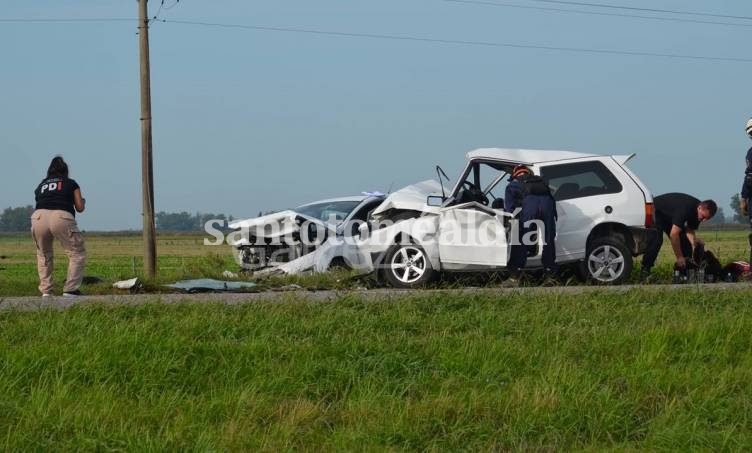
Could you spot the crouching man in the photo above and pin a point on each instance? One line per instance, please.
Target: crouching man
(678, 215)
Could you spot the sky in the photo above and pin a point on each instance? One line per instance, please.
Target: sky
(279, 103)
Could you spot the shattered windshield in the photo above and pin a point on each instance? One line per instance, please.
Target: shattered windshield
(336, 211)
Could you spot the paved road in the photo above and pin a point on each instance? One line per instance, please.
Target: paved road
(38, 303)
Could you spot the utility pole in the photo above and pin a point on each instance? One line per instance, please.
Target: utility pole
(147, 174)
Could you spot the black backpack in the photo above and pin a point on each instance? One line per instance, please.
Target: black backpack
(534, 185)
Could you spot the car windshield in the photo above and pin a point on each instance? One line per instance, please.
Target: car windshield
(333, 211)
(481, 178)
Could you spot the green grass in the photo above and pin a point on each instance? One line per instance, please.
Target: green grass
(112, 258)
(649, 369)
(652, 368)
(115, 257)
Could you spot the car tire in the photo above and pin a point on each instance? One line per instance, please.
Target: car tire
(407, 266)
(608, 261)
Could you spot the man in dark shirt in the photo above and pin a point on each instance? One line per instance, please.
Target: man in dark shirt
(678, 215)
(532, 196)
(746, 194)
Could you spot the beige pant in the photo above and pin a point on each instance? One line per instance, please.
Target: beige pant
(47, 225)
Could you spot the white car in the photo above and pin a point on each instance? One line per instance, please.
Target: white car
(604, 217)
(310, 238)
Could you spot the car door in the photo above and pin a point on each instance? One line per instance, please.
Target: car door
(583, 191)
(472, 234)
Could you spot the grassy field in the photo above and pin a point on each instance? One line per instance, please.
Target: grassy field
(111, 257)
(654, 368)
(114, 257)
(650, 369)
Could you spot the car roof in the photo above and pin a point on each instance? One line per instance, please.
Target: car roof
(358, 198)
(526, 156)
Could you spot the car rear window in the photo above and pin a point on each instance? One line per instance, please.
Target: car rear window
(581, 179)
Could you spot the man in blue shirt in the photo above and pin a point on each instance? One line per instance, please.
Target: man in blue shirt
(747, 184)
(532, 195)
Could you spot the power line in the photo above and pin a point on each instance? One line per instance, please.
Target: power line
(403, 38)
(159, 10)
(651, 10)
(595, 13)
(99, 19)
(161, 7)
(173, 5)
(459, 42)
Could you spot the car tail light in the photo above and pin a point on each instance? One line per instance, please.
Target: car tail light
(648, 215)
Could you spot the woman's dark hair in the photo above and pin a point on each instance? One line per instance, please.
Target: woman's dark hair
(58, 167)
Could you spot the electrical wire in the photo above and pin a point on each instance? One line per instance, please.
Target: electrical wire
(459, 42)
(100, 19)
(651, 10)
(173, 5)
(401, 38)
(159, 10)
(595, 13)
(162, 6)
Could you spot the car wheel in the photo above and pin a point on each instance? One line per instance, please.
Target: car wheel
(608, 261)
(407, 266)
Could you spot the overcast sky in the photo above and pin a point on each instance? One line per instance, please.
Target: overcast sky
(255, 119)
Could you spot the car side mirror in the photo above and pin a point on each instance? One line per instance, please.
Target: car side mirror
(435, 200)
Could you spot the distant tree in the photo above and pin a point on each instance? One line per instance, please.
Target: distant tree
(738, 216)
(182, 221)
(203, 218)
(16, 219)
(719, 217)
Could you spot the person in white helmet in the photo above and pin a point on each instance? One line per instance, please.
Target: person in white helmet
(746, 194)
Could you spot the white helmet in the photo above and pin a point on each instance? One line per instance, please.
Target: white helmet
(749, 128)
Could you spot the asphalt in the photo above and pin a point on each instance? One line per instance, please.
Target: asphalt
(381, 295)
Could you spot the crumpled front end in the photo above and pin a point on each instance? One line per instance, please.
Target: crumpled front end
(332, 252)
(259, 255)
(274, 240)
(411, 198)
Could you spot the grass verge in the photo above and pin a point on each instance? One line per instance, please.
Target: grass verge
(649, 368)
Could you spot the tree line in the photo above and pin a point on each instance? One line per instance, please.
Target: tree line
(19, 219)
(184, 221)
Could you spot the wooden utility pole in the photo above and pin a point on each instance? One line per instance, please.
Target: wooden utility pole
(147, 174)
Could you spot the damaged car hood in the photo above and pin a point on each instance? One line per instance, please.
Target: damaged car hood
(270, 225)
(412, 197)
(276, 225)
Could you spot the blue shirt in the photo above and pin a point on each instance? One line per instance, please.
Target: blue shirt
(513, 196)
(747, 172)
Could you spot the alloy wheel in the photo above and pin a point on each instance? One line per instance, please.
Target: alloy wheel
(408, 264)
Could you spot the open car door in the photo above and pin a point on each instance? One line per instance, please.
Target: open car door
(472, 234)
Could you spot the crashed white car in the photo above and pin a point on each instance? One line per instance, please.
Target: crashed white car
(604, 218)
(310, 238)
